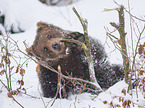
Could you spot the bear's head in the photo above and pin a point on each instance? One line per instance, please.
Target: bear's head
(47, 45)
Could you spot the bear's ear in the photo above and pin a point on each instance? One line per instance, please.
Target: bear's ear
(76, 36)
(41, 25)
(30, 51)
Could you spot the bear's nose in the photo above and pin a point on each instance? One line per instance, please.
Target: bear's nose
(55, 46)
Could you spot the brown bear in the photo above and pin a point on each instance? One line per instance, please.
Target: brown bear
(72, 60)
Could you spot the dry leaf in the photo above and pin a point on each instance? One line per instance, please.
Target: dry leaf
(120, 99)
(111, 104)
(84, 87)
(16, 92)
(137, 83)
(123, 91)
(129, 102)
(4, 58)
(140, 49)
(118, 105)
(120, 41)
(143, 80)
(10, 95)
(22, 71)
(8, 61)
(143, 88)
(11, 68)
(105, 102)
(144, 44)
(141, 72)
(129, 70)
(21, 82)
(17, 70)
(8, 54)
(123, 48)
(80, 91)
(37, 69)
(1, 65)
(126, 60)
(2, 72)
(140, 85)
(124, 104)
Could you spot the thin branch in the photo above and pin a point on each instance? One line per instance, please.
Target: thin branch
(11, 96)
(30, 95)
(131, 28)
(75, 41)
(59, 85)
(88, 51)
(41, 96)
(121, 30)
(129, 12)
(136, 53)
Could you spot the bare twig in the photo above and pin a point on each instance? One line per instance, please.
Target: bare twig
(11, 96)
(129, 12)
(121, 30)
(134, 57)
(30, 95)
(75, 41)
(41, 97)
(59, 86)
(88, 51)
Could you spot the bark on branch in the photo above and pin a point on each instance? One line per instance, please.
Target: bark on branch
(121, 29)
(87, 51)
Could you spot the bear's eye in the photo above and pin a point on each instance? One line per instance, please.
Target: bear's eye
(45, 49)
(49, 36)
(55, 45)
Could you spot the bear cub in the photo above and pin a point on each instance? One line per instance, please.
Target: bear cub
(72, 60)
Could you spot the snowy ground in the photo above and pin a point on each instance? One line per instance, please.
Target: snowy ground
(26, 13)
